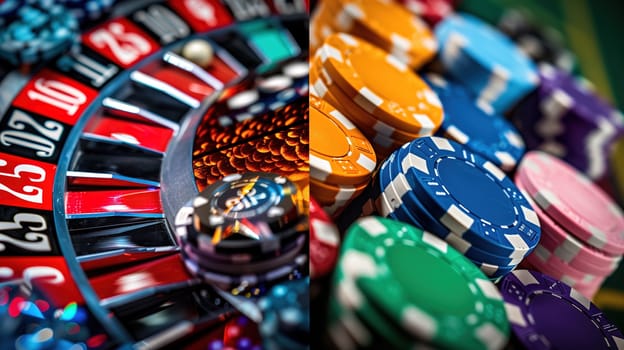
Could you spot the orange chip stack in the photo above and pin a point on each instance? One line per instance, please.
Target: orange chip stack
(341, 158)
(385, 24)
(378, 93)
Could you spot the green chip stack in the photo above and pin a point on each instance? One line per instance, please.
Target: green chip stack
(396, 286)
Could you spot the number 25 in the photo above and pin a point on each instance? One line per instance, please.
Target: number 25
(29, 193)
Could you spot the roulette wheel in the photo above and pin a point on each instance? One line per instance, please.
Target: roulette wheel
(153, 161)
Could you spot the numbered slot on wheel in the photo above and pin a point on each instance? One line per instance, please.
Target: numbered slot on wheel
(88, 67)
(121, 41)
(26, 182)
(31, 135)
(162, 23)
(27, 232)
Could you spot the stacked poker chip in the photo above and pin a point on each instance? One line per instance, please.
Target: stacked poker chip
(245, 233)
(439, 185)
(341, 158)
(564, 117)
(386, 100)
(582, 228)
(392, 289)
(286, 316)
(36, 32)
(324, 241)
(485, 61)
(545, 313)
(455, 184)
(384, 24)
(483, 132)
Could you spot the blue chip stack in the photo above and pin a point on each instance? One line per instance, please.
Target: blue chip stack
(488, 63)
(37, 32)
(424, 183)
(486, 134)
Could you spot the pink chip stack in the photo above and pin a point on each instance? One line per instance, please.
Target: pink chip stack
(582, 238)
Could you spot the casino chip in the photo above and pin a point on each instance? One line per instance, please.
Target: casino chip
(489, 135)
(286, 316)
(242, 210)
(251, 283)
(378, 298)
(395, 197)
(341, 158)
(545, 313)
(562, 255)
(399, 201)
(339, 153)
(324, 241)
(384, 24)
(582, 229)
(237, 265)
(335, 199)
(358, 68)
(245, 230)
(573, 201)
(383, 137)
(352, 75)
(37, 32)
(437, 170)
(496, 72)
(564, 117)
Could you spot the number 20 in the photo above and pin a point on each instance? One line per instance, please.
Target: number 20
(43, 145)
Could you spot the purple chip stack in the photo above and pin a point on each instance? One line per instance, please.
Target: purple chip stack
(545, 313)
(564, 117)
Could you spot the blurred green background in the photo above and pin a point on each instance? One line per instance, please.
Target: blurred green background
(594, 31)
